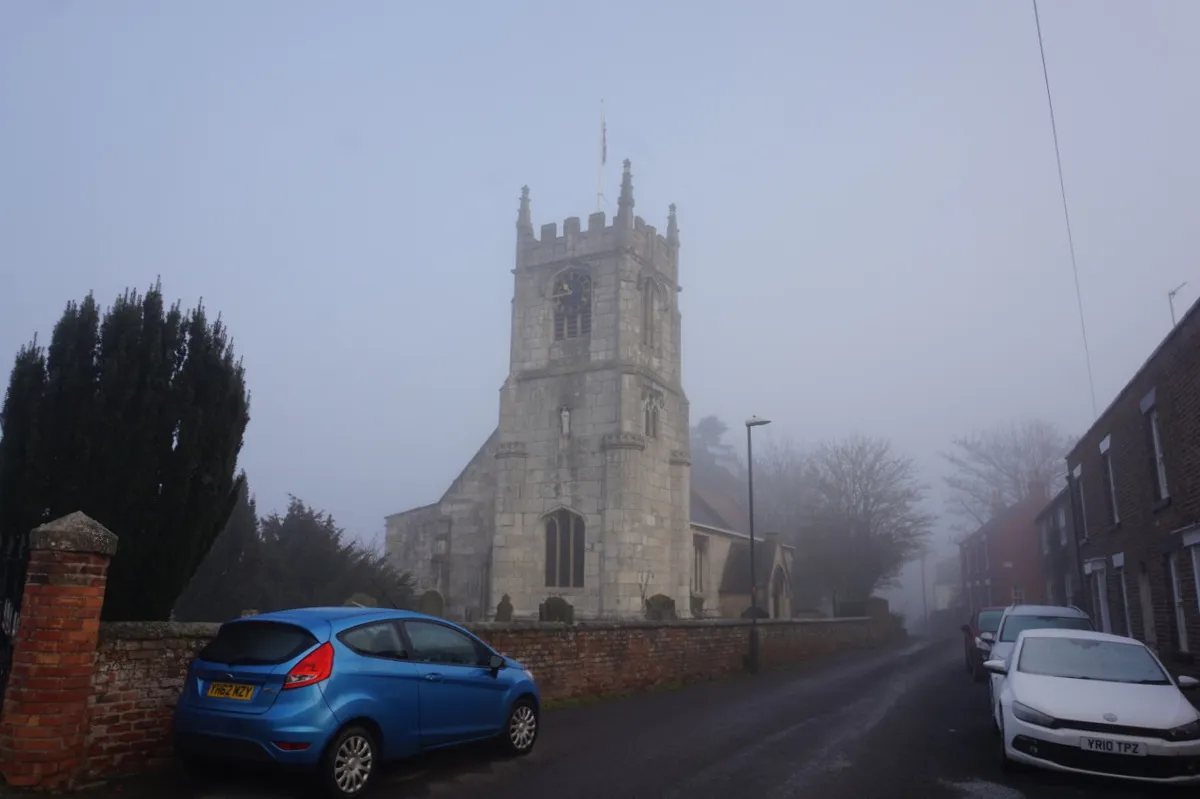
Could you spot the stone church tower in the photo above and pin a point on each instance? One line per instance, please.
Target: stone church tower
(592, 467)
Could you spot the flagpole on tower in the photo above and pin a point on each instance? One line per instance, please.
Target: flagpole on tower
(603, 159)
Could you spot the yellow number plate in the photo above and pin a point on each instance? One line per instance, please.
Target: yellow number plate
(228, 690)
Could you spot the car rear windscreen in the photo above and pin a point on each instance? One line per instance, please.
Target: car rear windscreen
(989, 620)
(257, 643)
(1015, 625)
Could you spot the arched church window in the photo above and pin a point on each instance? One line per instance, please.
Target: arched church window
(572, 305)
(652, 404)
(565, 542)
(650, 294)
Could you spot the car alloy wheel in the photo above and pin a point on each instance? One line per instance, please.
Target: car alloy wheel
(350, 763)
(520, 734)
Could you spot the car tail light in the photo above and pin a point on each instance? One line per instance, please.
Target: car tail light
(316, 666)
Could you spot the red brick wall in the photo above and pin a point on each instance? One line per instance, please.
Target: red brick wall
(45, 705)
(139, 672)
(141, 666)
(1148, 530)
(1012, 539)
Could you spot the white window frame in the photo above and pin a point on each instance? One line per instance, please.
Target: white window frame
(1195, 550)
(1159, 461)
(1082, 502)
(1149, 407)
(1106, 454)
(1061, 518)
(1118, 562)
(1098, 586)
(1177, 601)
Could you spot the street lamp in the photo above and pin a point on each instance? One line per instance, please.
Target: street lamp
(752, 658)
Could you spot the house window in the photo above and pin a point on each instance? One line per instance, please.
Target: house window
(572, 305)
(650, 293)
(1062, 525)
(699, 563)
(564, 550)
(1110, 486)
(1194, 549)
(1100, 594)
(1154, 444)
(652, 403)
(1018, 595)
(986, 565)
(1077, 497)
(1128, 631)
(1177, 599)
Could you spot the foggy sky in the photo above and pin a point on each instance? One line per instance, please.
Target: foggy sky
(872, 235)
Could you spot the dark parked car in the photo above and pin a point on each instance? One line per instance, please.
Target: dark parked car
(978, 635)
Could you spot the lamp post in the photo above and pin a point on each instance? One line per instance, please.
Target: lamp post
(752, 657)
(925, 589)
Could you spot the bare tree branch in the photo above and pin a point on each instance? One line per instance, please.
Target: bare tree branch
(997, 466)
(851, 508)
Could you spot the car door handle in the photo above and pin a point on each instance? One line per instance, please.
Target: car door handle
(433, 677)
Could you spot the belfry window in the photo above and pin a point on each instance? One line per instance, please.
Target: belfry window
(652, 404)
(572, 305)
(649, 313)
(565, 544)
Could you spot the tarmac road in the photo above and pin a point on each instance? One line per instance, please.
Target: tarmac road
(905, 723)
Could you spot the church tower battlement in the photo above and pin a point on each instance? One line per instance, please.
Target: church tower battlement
(593, 472)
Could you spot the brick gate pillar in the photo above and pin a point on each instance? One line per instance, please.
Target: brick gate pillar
(43, 726)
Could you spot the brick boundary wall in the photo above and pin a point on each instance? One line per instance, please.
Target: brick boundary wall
(45, 717)
(87, 700)
(141, 666)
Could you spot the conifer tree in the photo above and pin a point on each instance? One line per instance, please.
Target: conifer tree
(136, 417)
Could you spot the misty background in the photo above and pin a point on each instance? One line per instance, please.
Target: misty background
(872, 232)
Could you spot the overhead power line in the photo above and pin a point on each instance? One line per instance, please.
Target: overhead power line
(1062, 187)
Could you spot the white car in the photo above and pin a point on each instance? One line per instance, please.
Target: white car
(1094, 703)
(1018, 618)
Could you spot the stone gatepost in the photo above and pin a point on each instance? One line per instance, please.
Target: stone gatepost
(43, 727)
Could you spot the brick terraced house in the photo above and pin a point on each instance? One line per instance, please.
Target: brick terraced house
(1001, 562)
(1060, 553)
(1135, 495)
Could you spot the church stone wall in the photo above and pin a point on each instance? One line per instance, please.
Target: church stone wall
(544, 470)
(410, 542)
(630, 488)
(447, 545)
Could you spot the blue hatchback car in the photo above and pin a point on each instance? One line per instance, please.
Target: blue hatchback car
(340, 690)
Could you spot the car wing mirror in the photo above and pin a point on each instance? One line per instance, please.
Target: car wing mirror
(495, 663)
(996, 667)
(987, 638)
(1185, 683)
